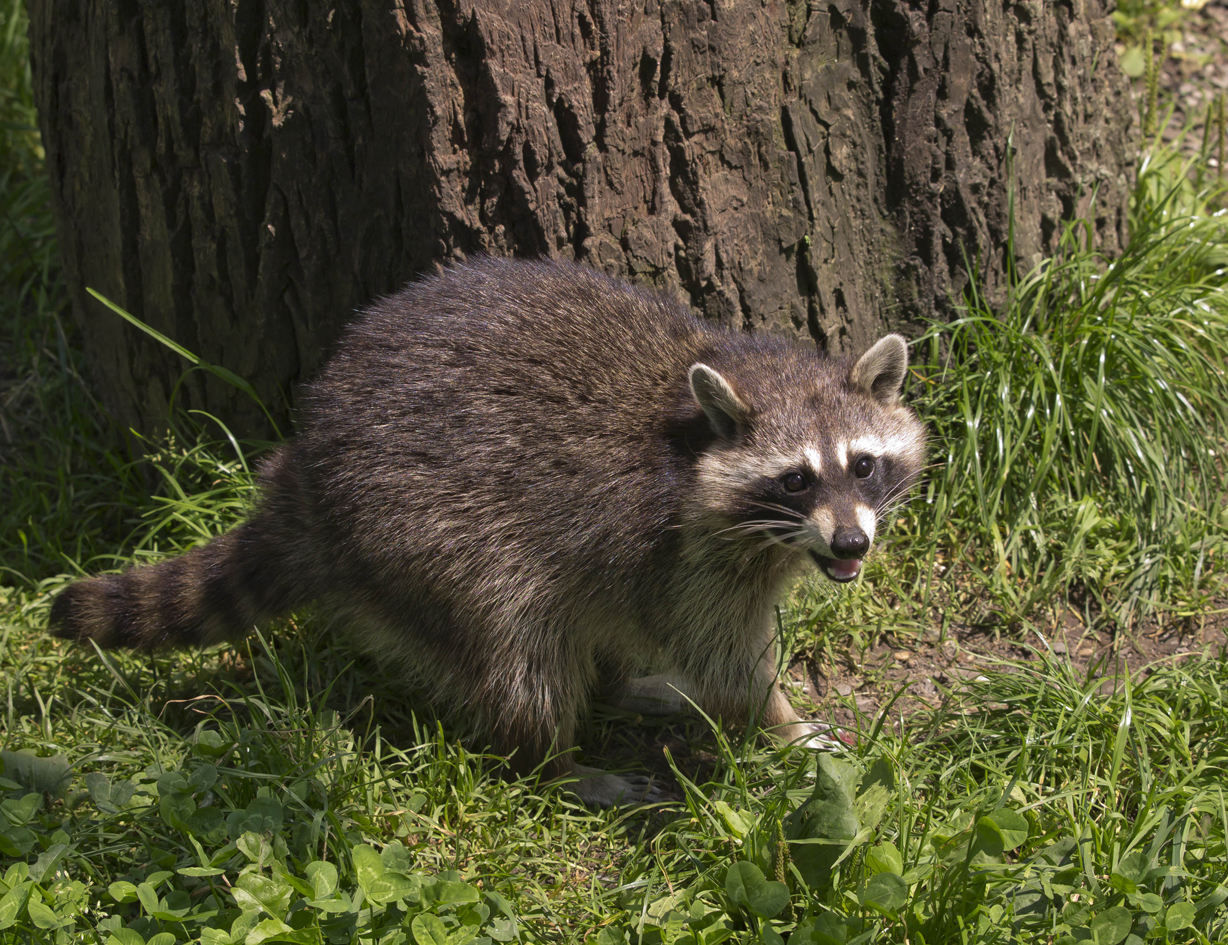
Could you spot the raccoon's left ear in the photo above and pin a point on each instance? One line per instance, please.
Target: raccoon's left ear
(725, 410)
(880, 372)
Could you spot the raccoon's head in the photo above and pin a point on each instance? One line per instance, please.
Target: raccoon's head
(808, 454)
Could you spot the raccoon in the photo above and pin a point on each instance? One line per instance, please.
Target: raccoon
(522, 483)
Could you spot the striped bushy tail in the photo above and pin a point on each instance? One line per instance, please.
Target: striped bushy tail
(216, 592)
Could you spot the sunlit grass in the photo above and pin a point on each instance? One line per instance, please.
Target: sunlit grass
(1081, 430)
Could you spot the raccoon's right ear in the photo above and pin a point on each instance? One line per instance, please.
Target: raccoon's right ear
(725, 410)
(879, 373)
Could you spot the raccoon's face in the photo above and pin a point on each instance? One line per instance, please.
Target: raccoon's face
(813, 469)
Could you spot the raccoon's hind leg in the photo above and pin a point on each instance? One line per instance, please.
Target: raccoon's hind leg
(532, 696)
(665, 694)
(215, 592)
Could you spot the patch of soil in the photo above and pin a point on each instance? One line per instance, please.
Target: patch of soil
(852, 693)
(1193, 71)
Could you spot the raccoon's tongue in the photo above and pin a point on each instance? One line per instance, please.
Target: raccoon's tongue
(836, 569)
(843, 570)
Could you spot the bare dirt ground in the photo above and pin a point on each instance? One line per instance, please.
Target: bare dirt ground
(1194, 72)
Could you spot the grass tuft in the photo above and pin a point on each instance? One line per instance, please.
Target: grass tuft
(1082, 428)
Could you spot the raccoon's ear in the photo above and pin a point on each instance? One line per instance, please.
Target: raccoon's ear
(880, 371)
(724, 408)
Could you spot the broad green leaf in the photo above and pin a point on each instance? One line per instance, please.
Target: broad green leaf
(323, 878)
(125, 937)
(875, 793)
(1148, 902)
(47, 863)
(201, 871)
(268, 929)
(1180, 916)
(473, 914)
(202, 779)
(109, 798)
(502, 929)
(255, 847)
(1122, 884)
(828, 812)
(162, 938)
(1133, 62)
(368, 866)
(1112, 925)
(149, 898)
(206, 822)
(13, 903)
(36, 775)
(827, 815)
(454, 892)
(263, 815)
(1133, 867)
(885, 893)
(175, 809)
(747, 886)
(737, 823)
(17, 841)
(885, 858)
(1014, 827)
(122, 891)
(273, 893)
(19, 812)
(826, 929)
(41, 915)
(1001, 831)
(429, 930)
(99, 787)
(395, 857)
(390, 887)
(339, 902)
(738, 875)
(211, 743)
(245, 921)
(172, 782)
(174, 906)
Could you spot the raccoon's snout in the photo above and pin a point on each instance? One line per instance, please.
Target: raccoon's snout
(849, 543)
(848, 546)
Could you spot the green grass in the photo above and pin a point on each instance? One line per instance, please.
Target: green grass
(1082, 427)
(286, 790)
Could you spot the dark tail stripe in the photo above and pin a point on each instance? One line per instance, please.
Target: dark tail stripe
(214, 592)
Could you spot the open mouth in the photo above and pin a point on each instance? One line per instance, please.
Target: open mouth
(840, 571)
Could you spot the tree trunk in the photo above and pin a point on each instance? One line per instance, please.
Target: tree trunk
(242, 175)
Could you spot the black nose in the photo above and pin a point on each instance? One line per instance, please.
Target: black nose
(849, 543)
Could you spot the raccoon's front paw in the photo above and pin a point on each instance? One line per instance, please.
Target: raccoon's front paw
(824, 737)
(596, 788)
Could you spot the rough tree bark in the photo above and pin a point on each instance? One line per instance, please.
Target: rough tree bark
(243, 174)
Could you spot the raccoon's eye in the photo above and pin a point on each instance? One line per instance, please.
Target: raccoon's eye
(864, 467)
(793, 482)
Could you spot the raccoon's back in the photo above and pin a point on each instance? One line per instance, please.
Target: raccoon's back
(533, 413)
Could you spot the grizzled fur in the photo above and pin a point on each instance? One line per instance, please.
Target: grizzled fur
(523, 482)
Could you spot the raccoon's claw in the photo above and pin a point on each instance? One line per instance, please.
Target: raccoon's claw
(827, 738)
(596, 788)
